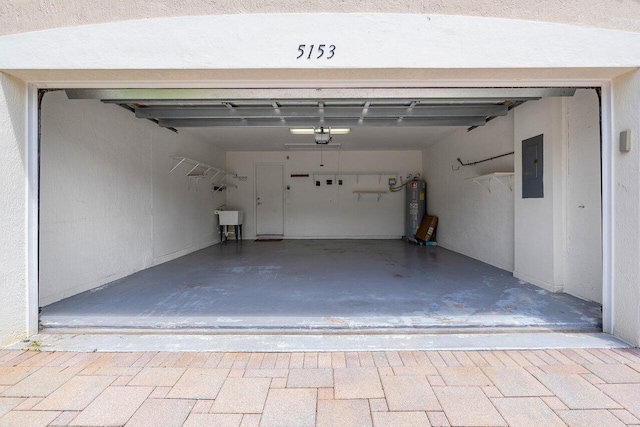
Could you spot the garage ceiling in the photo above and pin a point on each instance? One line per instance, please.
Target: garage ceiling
(259, 119)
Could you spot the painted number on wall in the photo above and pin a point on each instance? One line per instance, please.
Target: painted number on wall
(316, 51)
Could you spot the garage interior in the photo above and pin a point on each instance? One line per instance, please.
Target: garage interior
(132, 183)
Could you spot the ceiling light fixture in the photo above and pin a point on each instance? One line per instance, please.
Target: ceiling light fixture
(317, 130)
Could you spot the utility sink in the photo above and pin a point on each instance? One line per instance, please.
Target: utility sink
(230, 217)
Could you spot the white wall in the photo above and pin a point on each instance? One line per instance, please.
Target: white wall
(329, 211)
(584, 201)
(558, 240)
(33, 16)
(538, 228)
(109, 206)
(626, 268)
(470, 220)
(12, 209)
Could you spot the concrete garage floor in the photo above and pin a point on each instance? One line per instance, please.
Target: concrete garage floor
(310, 284)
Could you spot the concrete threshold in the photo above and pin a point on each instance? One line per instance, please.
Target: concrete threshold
(176, 341)
(262, 330)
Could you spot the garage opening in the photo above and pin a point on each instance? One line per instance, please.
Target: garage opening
(297, 210)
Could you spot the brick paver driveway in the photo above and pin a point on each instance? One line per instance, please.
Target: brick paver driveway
(574, 387)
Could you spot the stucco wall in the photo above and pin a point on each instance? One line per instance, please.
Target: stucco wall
(329, 211)
(472, 221)
(109, 206)
(538, 230)
(13, 315)
(32, 15)
(461, 54)
(584, 201)
(627, 210)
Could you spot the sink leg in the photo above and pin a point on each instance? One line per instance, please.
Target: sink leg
(240, 232)
(221, 228)
(235, 232)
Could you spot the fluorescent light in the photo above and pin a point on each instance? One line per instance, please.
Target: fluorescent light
(312, 131)
(312, 146)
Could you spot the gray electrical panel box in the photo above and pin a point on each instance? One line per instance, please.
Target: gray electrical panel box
(416, 208)
(532, 168)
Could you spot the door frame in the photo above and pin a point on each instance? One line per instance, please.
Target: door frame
(255, 194)
(32, 142)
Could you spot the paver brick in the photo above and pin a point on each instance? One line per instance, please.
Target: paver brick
(41, 383)
(409, 394)
(463, 376)
(310, 378)
(250, 420)
(615, 374)
(290, 407)
(161, 412)
(217, 420)
(438, 419)
(514, 381)
(162, 377)
(28, 418)
(468, 406)
(627, 395)
(198, 383)
(8, 403)
(526, 412)
(378, 405)
(584, 418)
(344, 413)
(10, 375)
(404, 419)
(266, 373)
(624, 416)
(576, 392)
(113, 407)
(414, 370)
(357, 383)
(75, 394)
(242, 396)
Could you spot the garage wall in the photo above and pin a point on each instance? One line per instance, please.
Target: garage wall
(109, 206)
(539, 222)
(626, 210)
(13, 278)
(584, 194)
(329, 211)
(471, 220)
(558, 240)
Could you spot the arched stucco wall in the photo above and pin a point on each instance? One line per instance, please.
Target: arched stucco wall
(360, 41)
(167, 52)
(34, 15)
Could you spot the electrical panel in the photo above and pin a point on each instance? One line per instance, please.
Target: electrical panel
(532, 168)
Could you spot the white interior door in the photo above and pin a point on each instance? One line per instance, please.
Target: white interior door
(269, 200)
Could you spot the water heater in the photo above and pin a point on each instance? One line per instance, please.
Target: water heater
(416, 206)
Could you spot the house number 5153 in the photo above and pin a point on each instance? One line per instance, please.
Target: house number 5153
(316, 52)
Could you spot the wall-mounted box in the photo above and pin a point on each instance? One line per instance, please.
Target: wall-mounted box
(532, 168)
(625, 141)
